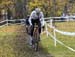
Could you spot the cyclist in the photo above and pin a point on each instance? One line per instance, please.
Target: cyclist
(27, 23)
(37, 17)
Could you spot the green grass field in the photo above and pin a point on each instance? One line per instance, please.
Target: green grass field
(60, 50)
(13, 42)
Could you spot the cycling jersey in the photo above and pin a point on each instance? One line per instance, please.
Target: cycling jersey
(35, 16)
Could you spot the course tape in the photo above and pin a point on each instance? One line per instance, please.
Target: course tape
(62, 32)
(65, 33)
(55, 39)
(61, 43)
(2, 21)
(9, 20)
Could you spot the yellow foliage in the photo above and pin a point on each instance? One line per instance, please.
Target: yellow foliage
(7, 3)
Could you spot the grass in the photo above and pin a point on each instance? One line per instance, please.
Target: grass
(13, 42)
(60, 50)
(7, 36)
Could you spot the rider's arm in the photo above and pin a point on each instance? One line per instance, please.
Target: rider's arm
(42, 19)
(30, 18)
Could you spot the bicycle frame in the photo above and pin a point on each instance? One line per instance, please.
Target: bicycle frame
(36, 37)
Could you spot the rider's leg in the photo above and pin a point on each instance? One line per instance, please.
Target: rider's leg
(31, 31)
(30, 40)
(31, 37)
(39, 24)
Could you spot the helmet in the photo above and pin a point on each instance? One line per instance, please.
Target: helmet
(37, 10)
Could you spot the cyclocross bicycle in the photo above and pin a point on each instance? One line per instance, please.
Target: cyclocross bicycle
(36, 37)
